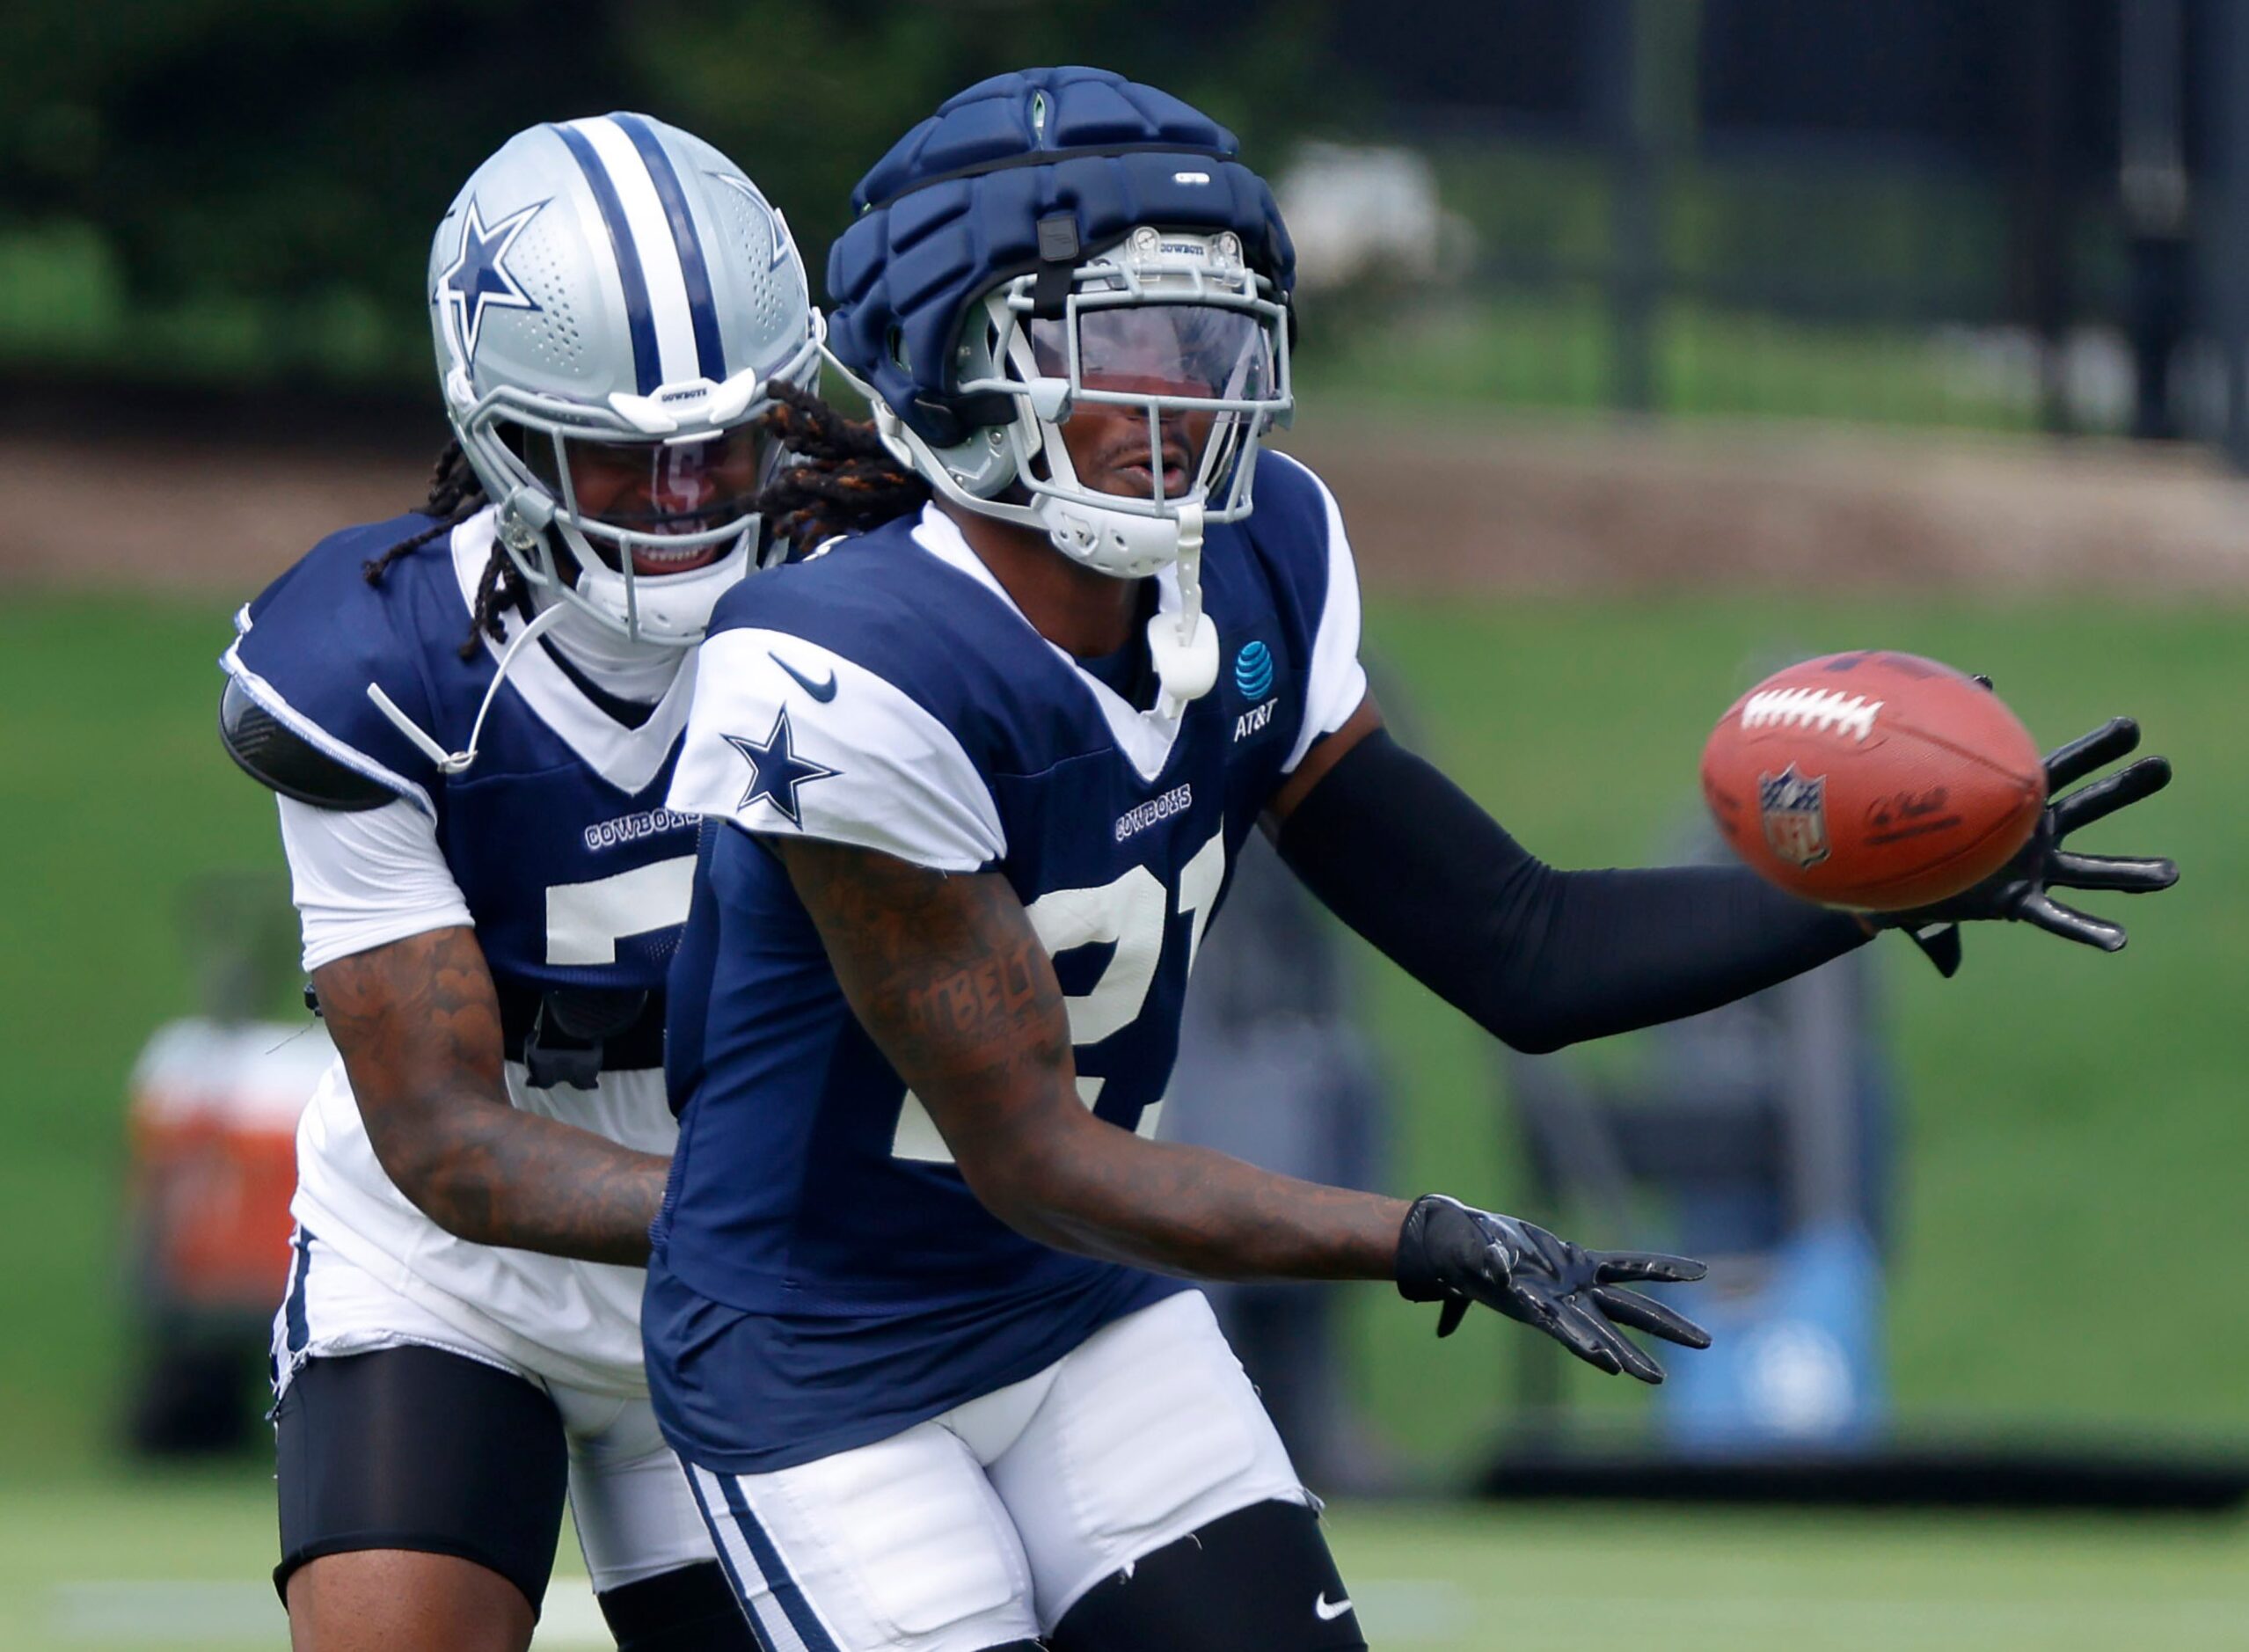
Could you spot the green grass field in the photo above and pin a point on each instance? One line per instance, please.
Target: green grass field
(2064, 1108)
(1556, 352)
(145, 1564)
(2075, 1135)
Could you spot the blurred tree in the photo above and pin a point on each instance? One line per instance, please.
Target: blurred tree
(269, 171)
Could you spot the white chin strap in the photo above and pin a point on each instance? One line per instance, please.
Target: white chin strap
(1184, 646)
(555, 613)
(1126, 545)
(1123, 544)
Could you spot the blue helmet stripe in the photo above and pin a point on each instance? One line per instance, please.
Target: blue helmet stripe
(710, 352)
(647, 368)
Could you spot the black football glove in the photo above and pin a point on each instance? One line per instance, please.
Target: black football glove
(1450, 1253)
(2018, 890)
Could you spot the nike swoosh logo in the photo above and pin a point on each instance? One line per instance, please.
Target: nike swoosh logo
(1327, 1613)
(821, 692)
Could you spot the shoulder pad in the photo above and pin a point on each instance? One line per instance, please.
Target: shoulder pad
(273, 755)
(309, 647)
(788, 735)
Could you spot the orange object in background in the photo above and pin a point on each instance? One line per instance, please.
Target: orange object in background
(212, 1130)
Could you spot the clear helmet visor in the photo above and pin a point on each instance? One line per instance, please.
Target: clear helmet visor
(1159, 393)
(1196, 352)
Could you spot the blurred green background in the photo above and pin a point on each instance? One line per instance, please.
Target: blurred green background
(2074, 1119)
(2074, 1129)
(1730, 215)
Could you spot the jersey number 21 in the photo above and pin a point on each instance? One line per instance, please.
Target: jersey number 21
(1132, 911)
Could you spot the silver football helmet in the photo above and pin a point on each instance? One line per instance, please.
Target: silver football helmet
(612, 301)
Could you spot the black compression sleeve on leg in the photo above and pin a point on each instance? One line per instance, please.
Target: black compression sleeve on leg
(690, 1610)
(1539, 958)
(420, 1449)
(1260, 1577)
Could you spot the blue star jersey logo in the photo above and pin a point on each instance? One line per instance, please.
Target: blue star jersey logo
(478, 278)
(1253, 670)
(775, 772)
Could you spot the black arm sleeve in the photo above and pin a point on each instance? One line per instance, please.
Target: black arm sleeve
(1539, 958)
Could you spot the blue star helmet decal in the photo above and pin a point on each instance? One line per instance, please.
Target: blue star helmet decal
(775, 772)
(478, 278)
(784, 244)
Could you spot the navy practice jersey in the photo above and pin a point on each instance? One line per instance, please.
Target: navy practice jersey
(576, 874)
(823, 1275)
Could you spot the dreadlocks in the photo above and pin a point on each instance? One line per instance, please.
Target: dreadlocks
(456, 495)
(847, 483)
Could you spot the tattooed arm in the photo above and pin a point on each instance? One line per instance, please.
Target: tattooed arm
(419, 1025)
(947, 976)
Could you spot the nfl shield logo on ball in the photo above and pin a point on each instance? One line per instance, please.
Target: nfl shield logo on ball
(1795, 810)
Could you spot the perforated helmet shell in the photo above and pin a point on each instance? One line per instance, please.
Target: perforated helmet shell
(611, 256)
(612, 279)
(954, 208)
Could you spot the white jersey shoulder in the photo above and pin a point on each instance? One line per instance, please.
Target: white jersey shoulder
(1338, 682)
(789, 738)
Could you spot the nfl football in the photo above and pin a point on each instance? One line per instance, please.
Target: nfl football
(1874, 780)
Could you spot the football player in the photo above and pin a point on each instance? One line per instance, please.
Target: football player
(916, 1315)
(472, 713)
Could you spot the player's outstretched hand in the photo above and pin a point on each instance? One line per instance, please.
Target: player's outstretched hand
(1451, 1253)
(2019, 889)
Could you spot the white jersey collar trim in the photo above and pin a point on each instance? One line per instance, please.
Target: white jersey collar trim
(1144, 738)
(629, 760)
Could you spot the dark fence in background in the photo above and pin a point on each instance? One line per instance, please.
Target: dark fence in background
(2016, 213)
(2031, 213)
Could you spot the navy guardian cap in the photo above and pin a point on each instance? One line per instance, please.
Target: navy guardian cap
(1064, 237)
(981, 191)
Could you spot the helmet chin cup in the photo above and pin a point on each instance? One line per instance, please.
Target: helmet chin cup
(1124, 545)
(671, 609)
